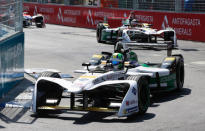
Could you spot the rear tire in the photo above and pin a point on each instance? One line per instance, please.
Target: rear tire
(143, 92)
(99, 32)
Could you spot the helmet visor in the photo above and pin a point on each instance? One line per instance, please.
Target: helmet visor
(114, 62)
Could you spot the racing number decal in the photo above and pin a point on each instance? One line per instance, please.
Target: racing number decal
(93, 2)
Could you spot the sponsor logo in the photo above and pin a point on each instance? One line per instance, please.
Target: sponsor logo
(134, 91)
(60, 15)
(130, 110)
(89, 17)
(35, 11)
(165, 23)
(186, 21)
(144, 18)
(127, 103)
(72, 12)
(46, 10)
(131, 102)
(69, 20)
(103, 14)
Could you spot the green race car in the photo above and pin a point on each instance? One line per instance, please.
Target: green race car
(135, 33)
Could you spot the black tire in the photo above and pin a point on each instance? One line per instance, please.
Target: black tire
(50, 74)
(143, 92)
(98, 32)
(39, 25)
(180, 73)
(57, 94)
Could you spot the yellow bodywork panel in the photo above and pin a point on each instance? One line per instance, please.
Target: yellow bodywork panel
(170, 59)
(97, 56)
(88, 77)
(98, 109)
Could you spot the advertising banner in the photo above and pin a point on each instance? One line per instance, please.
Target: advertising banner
(187, 26)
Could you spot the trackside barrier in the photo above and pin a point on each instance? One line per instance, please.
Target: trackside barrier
(187, 26)
(11, 62)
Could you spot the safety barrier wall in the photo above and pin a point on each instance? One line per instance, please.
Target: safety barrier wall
(187, 26)
(11, 62)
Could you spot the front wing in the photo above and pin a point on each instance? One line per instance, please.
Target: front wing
(119, 96)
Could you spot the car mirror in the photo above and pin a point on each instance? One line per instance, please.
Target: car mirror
(87, 65)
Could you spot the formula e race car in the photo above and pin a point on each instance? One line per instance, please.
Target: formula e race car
(140, 33)
(37, 19)
(114, 86)
(98, 90)
(27, 19)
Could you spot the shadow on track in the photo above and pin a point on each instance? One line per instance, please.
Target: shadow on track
(102, 117)
(15, 114)
(169, 96)
(189, 49)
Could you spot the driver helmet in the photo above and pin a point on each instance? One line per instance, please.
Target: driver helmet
(117, 60)
(132, 57)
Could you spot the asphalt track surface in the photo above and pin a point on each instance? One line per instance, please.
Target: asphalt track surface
(65, 48)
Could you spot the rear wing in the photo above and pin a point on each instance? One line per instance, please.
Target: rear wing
(149, 38)
(166, 45)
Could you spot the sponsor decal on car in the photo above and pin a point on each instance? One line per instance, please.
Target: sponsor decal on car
(83, 79)
(131, 102)
(130, 110)
(134, 91)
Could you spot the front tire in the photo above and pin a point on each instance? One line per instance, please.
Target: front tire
(53, 93)
(100, 27)
(180, 73)
(143, 93)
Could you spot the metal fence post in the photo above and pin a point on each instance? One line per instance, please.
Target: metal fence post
(21, 16)
(135, 3)
(67, 2)
(178, 5)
